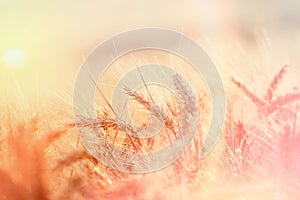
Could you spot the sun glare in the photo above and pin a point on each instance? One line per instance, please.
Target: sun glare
(14, 58)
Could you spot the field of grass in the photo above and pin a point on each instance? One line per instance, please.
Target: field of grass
(256, 157)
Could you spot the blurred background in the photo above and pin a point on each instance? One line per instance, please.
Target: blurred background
(43, 43)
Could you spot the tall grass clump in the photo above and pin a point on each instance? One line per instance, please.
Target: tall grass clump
(257, 156)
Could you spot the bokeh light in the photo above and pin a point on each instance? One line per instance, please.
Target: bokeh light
(14, 58)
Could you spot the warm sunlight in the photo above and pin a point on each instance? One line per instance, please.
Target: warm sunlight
(14, 58)
(151, 100)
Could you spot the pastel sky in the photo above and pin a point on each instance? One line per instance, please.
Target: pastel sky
(56, 35)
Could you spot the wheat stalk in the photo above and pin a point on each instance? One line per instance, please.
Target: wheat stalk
(275, 83)
(255, 99)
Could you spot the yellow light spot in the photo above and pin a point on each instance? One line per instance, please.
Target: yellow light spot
(14, 58)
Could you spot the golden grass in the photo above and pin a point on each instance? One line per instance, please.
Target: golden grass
(256, 160)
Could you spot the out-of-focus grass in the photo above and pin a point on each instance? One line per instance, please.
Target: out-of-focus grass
(254, 159)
